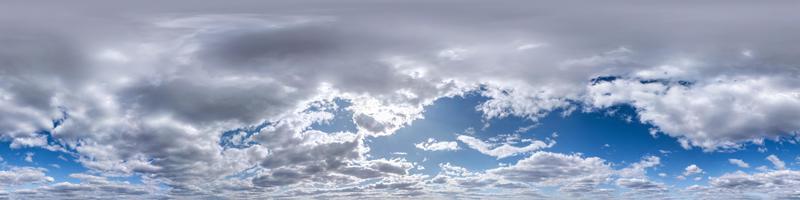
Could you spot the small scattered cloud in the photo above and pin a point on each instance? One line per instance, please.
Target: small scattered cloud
(29, 156)
(739, 163)
(777, 162)
(434, 145)
(502, 149)
(690, 170)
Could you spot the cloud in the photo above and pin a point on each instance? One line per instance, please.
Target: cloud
(741, 180)
(640, 184)
(153, 90)
(90, 186)
(433, 145)
(634, 177)
(779, 164)
(504, 149)
(638, 169)
(742, 108)
(773, 184)
(165, 117)
(690, 170)
(29, 157)
(739, 163)
(573, 173)
(459, 177)
(24, 175)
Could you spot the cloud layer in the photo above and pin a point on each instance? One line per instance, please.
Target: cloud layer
(213, 100)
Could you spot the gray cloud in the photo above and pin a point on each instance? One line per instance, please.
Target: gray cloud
(572, 173)
(23, 175)
(90, 187)
(150, 90)
(773, 184)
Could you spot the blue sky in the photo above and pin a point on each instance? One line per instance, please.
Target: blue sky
(586, 133)
(357, 99)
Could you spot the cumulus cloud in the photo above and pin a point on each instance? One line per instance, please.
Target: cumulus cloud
(634, 177)
(777, 162)
(572, 173)
(574, 176)
(739, 163)
(433, 145)
(692, 169)
(638, 169)
(166, 117)
(685, 111)
(24, 175)
(458, 177)
(776, 184)
(297, 156)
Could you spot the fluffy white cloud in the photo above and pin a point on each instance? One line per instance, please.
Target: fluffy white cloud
(716, 112)
(460, 178)
(638, 169)
(298, 156)
(433, 145)
(23, 175)
(739, 163)
(692, 170)
(777, 162)
(778, 184)
(634, 177)
(572, 173)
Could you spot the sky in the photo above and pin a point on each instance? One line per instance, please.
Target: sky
(358, 99)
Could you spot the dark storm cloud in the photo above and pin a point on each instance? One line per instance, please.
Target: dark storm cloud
(247, 101)
(254, 48)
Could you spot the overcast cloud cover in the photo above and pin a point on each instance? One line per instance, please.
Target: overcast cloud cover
(208, 99)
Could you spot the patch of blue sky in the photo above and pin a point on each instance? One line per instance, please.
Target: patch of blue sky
(237, 138)
(342, 118)
(59, 165)
(614, 134)
(444, 121)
